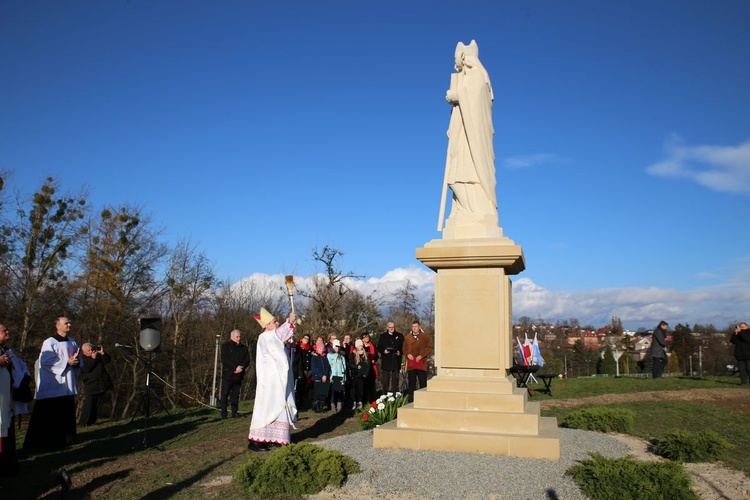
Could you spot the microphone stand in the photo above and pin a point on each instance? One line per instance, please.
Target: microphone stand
(145, 405)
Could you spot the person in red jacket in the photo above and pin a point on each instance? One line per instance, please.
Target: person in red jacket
(372, 354)
(417, 346)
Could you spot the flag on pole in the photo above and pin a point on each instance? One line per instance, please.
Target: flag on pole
(521, 354)
(536, 352)
(527, 351)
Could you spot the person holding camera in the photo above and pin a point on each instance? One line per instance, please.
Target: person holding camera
(390, 347)
(741, 340)
(96, 381)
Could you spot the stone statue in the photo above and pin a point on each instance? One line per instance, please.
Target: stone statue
(470, 162)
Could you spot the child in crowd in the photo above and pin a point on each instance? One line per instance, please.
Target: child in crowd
(360, 363)
(337, 362)
(321, 374)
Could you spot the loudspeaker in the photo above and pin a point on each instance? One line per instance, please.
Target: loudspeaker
(150, 334)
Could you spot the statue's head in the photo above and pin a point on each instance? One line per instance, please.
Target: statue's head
(463, 52)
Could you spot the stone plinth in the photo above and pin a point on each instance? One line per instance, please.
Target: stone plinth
(473, 405)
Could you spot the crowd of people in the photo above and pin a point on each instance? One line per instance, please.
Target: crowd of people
(333, 374)
(56, 372)
(322, 374)
(327, 374)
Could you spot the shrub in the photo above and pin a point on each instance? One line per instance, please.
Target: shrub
(685, 446)
(297, 469)
(602, 478)
(600, 418)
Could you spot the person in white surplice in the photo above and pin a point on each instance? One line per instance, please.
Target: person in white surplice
(275, 411)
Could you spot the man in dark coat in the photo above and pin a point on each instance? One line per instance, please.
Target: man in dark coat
(741, 340)
(235, 359)
(96, 382)
(390, 347)
(659, 349)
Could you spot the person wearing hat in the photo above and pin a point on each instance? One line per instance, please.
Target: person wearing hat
(274, 412)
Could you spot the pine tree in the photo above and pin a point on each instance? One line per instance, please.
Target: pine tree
(608, 362)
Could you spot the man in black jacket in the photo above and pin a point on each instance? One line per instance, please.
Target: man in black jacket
(235, 359)
(390, 347)
(659, 349)
(96, 381)
(741, 341)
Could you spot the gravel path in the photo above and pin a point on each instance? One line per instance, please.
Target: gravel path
(415, 474)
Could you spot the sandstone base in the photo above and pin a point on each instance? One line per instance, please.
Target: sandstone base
(472, 415)
(473, 404)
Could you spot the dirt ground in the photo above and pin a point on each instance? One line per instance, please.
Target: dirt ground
(711, 481)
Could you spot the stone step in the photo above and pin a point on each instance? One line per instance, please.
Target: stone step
(436, 400)
(494, 422)
(545, 444)
(480, 385)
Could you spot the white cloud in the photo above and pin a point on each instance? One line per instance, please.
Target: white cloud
(518, 162)
(636, 307)
(720, 168)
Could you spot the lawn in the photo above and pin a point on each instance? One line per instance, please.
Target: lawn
(190, 453)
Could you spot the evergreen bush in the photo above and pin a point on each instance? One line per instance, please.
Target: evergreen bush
(626, 478)
(685, 446)
(600, 418)
(294, 470)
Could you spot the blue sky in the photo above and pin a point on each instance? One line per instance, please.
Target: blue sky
(262, 130)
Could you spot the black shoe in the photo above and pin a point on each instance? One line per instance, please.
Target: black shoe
(236, 415)
(274, 445)
(256, 446)
(223, 417)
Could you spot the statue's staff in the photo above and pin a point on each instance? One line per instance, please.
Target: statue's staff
(290, 288)
(441, 214)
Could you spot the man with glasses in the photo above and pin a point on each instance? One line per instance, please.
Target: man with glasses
(53, 419)
(390, 347)
(235, 358)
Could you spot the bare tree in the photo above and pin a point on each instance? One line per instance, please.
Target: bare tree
(35, 255)
(329, 294)
(119, 284)
(189, 277)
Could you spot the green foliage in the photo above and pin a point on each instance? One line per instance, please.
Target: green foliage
(673, 363)
(382, 410)
(600, 418)
(608, 365)
(626, 478)
(685, 446)
(297, 469)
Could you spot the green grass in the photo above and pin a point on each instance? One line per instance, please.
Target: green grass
(185, 448)
(585, 387)
(192, 446)
(654, 418)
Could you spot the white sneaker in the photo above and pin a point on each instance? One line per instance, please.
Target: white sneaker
(359, 406)
(354, 406)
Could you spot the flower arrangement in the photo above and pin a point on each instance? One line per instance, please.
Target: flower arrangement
(382, 410)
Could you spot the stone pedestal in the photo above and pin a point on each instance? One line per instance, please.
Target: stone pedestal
(473, 404)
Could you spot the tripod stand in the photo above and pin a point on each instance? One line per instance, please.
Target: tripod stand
(145, 405)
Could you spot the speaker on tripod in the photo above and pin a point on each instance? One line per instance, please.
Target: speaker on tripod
(150, 339)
